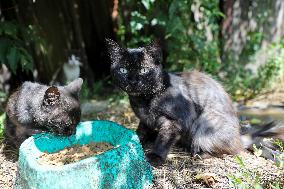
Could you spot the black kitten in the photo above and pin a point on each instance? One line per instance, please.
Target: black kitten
(191, 108)
(36, 108)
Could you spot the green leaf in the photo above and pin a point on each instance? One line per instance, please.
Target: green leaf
(2, 122)
(257, 186)
(26, 60)
(26, 63)
(9, 28)
(146, 4)
(240, 161)
(255, 121)
(13, 59)
(4, 45)
(275, 186)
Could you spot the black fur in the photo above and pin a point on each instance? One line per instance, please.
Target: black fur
(190, 108)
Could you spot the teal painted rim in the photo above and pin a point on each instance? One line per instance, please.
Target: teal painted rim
(39, 150)
(119, 168)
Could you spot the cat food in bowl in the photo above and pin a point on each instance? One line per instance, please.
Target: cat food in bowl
(73, 154)
(119, 164)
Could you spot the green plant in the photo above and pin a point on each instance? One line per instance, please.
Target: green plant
(85, 92)
(189, 31)
(242, 84)
(189, 27)
(14, 45)
(279, 157)
(12, 51)
(2, 122)
(120, 99)
(253, 44)
(245, 178)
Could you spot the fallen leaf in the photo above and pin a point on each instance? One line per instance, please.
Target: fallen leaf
(208, 178)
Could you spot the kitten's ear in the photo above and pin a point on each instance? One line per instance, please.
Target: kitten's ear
(154, 49)
(75, 86)
(51, 96)
(114, 49)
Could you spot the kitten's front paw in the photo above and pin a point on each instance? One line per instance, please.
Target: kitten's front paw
(144, 142)
(154, 159)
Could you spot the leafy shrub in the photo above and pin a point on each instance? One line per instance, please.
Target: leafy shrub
(189, 31)
(189, 27)
(14, 43)
(243, 84)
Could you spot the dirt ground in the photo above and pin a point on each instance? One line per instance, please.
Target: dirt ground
(180, 170)
(271, 98)
(8, 168)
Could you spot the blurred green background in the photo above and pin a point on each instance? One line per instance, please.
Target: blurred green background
(239, 42)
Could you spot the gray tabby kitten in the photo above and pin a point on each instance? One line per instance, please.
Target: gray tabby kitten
(190, 108)
(36, 108)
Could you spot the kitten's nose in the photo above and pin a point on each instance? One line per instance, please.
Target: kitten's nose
(133, 82)
(132, 79)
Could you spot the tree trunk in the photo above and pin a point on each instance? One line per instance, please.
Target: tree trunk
(249, 23)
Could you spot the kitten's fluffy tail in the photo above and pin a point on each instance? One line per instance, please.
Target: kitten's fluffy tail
(259, 135)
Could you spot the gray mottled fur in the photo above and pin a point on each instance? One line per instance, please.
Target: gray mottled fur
(190, 108)
(194, 109)
(27, 114)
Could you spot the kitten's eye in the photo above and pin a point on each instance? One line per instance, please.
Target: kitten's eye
(144, 70)
(123, 70)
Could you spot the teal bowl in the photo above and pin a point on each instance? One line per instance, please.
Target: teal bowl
(121, 167)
